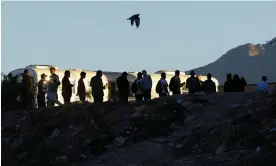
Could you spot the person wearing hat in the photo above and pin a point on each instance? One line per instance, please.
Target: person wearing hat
(262, 86)
(42, 89)
(123, 87)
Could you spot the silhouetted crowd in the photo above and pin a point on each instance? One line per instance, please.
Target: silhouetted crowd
(141, 87)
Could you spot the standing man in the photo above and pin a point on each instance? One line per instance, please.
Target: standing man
(42, 89)
(209, 85)
(175, 83)
(53, 84)
(81, 87)
(146, 85)
(123, 87)
(28, 90)
(162, 86)
(193, 83)
(97, 87)
(66, 87)
(262, 86)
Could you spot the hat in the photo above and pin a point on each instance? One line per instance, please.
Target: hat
(264, 78)
(192, 72)
(43, 75)
(124, 73)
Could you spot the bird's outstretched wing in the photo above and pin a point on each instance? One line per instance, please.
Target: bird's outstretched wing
(131, 21)
(137, 22)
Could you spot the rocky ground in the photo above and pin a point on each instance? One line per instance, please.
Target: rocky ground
(184, 130)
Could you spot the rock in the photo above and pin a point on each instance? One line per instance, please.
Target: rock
(221, 148)
(119, 142)
(55, 133)
(186, 104)
(235, 105)
(61, 159)
(189, 119)
(160, 140)
(194, 106)
(16, 143)
(178, 145)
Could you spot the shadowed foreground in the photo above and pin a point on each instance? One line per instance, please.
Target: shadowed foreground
(221, 129)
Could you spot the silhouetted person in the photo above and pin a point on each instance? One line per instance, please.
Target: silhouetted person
(162, 86)
(146, 85)
(237, 84)
(228, 85)
(135, 18)
(136, 88)
(175, 83)
(243, 84)
(53, 85)
(97, 86)
(81, 87)
(66, 87)
(28, 90)
(193, 83)
(262, 86)
(42, 89)
(123, 87)
(209, 86)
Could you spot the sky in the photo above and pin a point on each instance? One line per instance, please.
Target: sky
(97, 35)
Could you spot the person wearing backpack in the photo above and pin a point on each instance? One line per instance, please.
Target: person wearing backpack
(175, 83)
(136, 88)
(162, 86)
(146, 85)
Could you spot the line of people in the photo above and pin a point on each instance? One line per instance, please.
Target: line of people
(235, 84)
(50, 87)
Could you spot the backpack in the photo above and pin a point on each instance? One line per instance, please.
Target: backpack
(171, 85)
(134, 87)
(158, 88)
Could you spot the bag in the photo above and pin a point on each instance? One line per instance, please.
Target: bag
(158, 88)
(171, 85)
(134, 87)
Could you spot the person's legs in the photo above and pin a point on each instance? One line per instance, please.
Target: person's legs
(82, 98)
(147, 95)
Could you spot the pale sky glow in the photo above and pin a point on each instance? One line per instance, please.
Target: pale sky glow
(96, 35)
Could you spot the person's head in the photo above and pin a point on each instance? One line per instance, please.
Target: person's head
(264, 78)
(26, 72)
(144, 72)
(99, 73)
(43, 76)
(163, 75)
(229, 76)
(192, 73)
(83, 74)
(209, 76)
(67, 73)
(177, 72)
(236, 77)
(139, 75)
(124, 74)
(52, 70)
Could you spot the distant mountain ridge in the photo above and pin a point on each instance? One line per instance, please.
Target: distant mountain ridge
(248, 60)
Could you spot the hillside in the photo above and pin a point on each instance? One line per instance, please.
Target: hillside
(248, 60)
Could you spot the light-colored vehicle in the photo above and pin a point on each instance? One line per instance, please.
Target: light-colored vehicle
(36, 70)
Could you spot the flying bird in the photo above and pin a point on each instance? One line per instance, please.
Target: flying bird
(135, 18)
